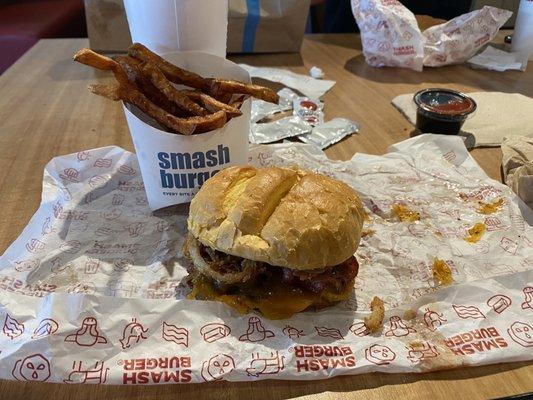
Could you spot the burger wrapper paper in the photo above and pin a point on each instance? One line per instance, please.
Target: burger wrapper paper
(391, 37)
(92, 291)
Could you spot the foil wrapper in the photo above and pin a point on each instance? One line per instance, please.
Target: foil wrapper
(286, 97)
(262, 109)
(282, 128)
(330, 132)
(309, 110)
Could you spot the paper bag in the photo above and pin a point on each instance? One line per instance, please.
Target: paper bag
(261, 26)
(175, 166)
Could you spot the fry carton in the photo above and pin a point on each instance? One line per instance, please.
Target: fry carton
(175, 166)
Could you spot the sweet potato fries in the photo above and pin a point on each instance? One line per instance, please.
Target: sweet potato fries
(146, 81)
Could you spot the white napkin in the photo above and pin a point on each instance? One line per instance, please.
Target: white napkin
(499, 60)
(498, 115)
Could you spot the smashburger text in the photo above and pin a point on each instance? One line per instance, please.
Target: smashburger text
(318, 357)
(156, 370)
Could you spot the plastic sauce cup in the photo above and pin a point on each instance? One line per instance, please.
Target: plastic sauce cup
(442, 111)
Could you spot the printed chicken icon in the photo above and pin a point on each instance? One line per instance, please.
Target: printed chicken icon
(433, 319)
(133, 333)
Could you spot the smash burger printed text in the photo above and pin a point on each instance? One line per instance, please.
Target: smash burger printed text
(170, 162)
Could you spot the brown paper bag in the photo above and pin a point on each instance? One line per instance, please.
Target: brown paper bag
(254, 26)
(266, 26)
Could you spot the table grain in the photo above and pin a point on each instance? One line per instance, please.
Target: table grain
(46, 111)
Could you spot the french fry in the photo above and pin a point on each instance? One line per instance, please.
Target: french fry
(98, 61)
(146, 81)
(211, 103)
(218, 85)
(158, 79)
(185, 126)
(132, 68)
(171, 71)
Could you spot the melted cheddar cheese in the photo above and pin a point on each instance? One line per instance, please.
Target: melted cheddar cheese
(274, 301)
(475, 233)
(490, 208)
(404, 214)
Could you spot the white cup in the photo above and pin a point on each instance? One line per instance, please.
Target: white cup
(523, 32)
(169, 25)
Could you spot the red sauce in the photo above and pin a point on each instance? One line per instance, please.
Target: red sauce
(453, 107)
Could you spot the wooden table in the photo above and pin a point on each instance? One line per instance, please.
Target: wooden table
(45, 111)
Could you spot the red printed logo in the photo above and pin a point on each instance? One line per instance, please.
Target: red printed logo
(87, 287)
(118, 199)
(499, 303)
(92, 265)
(98, 182)
(380, 355)
(12, 328)
(32, 368)
(466, 312)
(47, 226)
(103, 162)
(421, 350)
(528, 298)
(433, 319)
(508, 245)
(46, 327)
(333, 333)
(70, 174)
(126, 170)
(521, 333)
(122, 264)
(83, 155)
(172, 333)
(398, 328)
(26, 265)
(292, 332)
(256, 332)
(35, 246)
(217, 367)
(87, 334)
(265, 365)
(135, 229)
(215, 331)
(359, 329)
(97, 374)
(112, 214)
(70, 247)
(132, 334)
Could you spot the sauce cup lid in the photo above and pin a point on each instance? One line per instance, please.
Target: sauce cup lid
(444, 103)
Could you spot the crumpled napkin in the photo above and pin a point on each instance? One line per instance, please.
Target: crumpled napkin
(391, 37)
(517, 163)
(498, 60)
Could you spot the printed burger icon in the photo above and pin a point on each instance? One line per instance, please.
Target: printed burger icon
(215, 331)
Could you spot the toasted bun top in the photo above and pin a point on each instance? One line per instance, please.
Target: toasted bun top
(286, 217)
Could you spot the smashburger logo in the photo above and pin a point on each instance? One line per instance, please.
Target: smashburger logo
(475, 341)
(318, 357)
(156, 370)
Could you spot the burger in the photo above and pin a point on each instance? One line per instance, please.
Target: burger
(274, 240)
